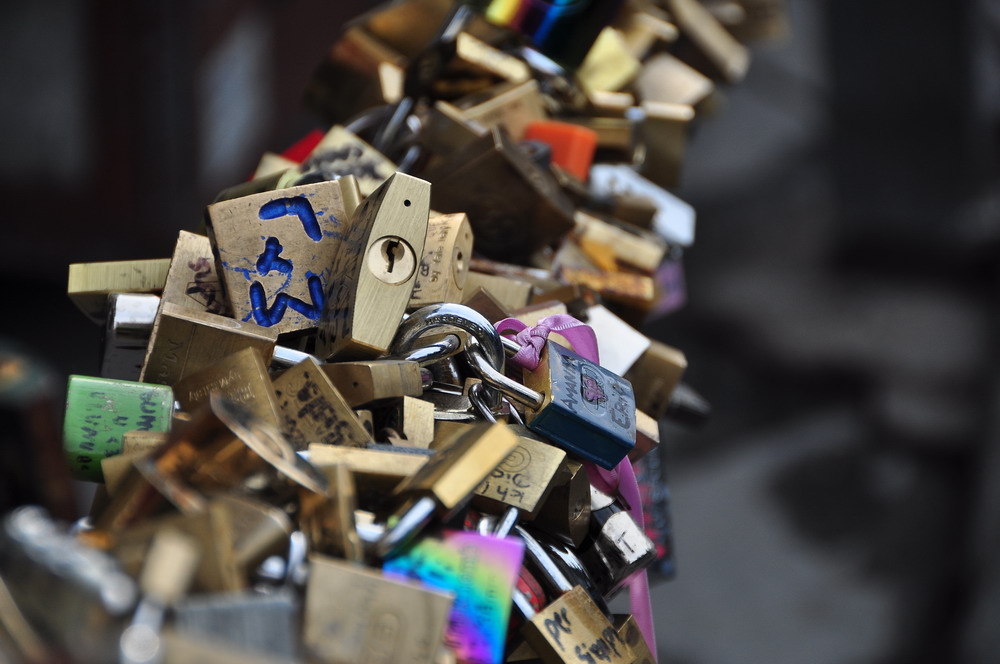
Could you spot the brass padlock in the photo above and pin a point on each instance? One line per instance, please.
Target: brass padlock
(313, 409)
(446, 481)
(655, 375)
(354, 614)
(514, 206)
(572, 629)
(275, 250)
(374, 270)
(341, 152)
(369, 382)
(444, 264)
(184, 342)
(192, 280)
(89, 284)
(510, 106)
(328, 519)
(240, 377)
(518, 487)
(705, 42)
(629, 632)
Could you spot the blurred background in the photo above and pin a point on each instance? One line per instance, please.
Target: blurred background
(843, 504)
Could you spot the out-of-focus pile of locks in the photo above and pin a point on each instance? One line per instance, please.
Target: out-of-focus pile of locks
(392, 406)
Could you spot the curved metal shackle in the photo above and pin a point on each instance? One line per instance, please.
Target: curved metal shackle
(498, 380)
(449, 314)
(431, 353)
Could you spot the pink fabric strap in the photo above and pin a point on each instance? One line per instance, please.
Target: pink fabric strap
(617, 482)
(532, 339)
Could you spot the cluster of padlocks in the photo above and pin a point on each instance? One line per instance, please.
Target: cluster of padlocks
(392, 405)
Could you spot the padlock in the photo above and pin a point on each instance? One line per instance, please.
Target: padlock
(368, 382)
(192, 280)
(524, 214)
(572, 629)
(374, 270)
(166, 574)
(509, 292)
(518, 487)
(126, 334)
(252, 623)
(480, 571)
(275, 249)
(578, 405)
(98, 413)
(313, 409)
(706, 43)
(616, 547)
(341, 152)
(655, 375)
(665, 78)
(378, 472)
(643, 28)
(414, 419)
(354, 614)
(327, 519)
(565, 514)
(89, 284)
(474, 53)
(78, 596)
(610, 64)
(446, 482)
(512, 106)
(663, 129)
(647, 436)
(183, 342)
(629, 632)
(240, 377)
(629, 247)
(444, 264)
(557, 568)
(636, 290)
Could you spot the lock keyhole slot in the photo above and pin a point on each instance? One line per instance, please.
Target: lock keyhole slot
(391, 259)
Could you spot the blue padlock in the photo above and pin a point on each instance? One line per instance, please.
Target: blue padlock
(573, 402)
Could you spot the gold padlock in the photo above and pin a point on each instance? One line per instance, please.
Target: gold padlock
(192, 281)
(444, 265)
(313, 409)
(184, 342)
(565, 514)
(275, 250)
(654, 376)
(354, 614)
(367, 382)
(573, 629)
(374, 270)
(241, 377)
(89, 284)
(328, 519)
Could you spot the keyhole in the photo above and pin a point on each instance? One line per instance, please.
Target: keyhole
(391, 260)
(392, 250)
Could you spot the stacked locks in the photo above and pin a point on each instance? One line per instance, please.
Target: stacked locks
(310, 440)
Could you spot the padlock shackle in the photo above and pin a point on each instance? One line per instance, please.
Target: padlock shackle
(449, 314)
(541, 560)
(499, 381)
(431, 353)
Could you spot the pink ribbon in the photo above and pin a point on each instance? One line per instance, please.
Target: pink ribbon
(532, 339)
(619, 481)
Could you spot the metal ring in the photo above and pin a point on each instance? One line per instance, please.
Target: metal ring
(449, 314)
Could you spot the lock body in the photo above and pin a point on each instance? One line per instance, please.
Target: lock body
(587, 409)
(241, 377)
(572, 629)
(99, 411)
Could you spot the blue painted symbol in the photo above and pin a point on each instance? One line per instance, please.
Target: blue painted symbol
(266, 317)
(298, 206)
(271, 259)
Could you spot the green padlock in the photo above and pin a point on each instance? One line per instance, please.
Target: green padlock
(99, 411)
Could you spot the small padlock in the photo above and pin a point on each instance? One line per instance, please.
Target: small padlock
(240, 377)
(517, 487)
(253, 623)
(617, 546)
(367, 382)
(573, 402)
(313, 409)
(89, 284)
(572, 629)
(354, 614)
(98, 413)
(192, 280)
(126, 334)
